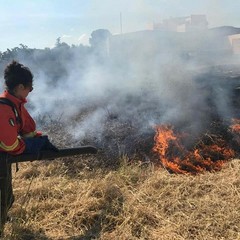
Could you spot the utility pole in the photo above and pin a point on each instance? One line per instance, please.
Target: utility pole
(120, 22)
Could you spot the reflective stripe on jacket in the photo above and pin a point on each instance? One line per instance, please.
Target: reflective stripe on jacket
(10, 129)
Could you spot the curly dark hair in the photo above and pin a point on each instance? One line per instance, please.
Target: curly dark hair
(16, 73)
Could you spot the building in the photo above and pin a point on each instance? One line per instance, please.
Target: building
(183, 24)
(235, 43)
(183, 38)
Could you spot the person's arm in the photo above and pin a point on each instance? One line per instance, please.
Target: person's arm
(10, 142)
(34, 140)
(29, 127)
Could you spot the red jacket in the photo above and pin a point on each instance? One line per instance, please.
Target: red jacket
(11, 131)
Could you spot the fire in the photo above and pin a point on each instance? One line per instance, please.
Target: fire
(176, 158)
(235, 129)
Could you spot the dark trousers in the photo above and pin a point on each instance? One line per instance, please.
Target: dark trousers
(6, 190)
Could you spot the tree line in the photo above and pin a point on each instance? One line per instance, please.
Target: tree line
(56, 61)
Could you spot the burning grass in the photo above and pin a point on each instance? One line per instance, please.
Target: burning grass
(123, 193)
(132, 202)
(209, 154)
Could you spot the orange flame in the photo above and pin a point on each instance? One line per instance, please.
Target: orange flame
(235, 129)
(176, 158)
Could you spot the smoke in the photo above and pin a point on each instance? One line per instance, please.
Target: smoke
(140, 80)
(143, 92)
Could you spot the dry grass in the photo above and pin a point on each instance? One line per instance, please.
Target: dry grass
(133, 202)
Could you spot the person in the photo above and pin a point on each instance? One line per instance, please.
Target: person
(18, 132)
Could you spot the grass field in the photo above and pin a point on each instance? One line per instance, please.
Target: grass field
(55, 200)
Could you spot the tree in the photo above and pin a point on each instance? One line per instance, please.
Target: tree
(99, 43)
(99, 38)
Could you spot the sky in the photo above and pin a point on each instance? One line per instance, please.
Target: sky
(38, 23)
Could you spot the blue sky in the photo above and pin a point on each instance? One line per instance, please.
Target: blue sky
(38, 23)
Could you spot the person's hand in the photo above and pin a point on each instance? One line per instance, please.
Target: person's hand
(36, 144)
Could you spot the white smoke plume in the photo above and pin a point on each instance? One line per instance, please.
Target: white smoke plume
(141, 79)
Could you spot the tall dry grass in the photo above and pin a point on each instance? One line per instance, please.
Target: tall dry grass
(132, 202)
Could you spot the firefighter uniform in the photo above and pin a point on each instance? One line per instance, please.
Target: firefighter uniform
(13, 128)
